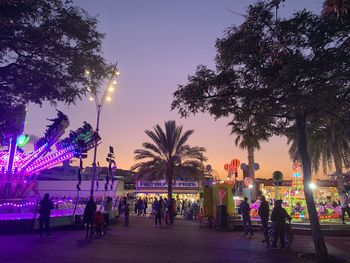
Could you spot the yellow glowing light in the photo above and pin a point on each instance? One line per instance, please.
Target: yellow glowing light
(114, 82)
(108, 98)
(117, 73)
(91, 98)
(87, 72)
(111, 88)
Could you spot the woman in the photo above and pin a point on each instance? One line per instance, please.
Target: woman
(278, 217)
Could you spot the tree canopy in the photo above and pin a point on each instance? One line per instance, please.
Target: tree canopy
(286, 72)
(45, 48)
(168, 156)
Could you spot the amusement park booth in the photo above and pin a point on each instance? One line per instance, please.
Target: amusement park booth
(218, 196)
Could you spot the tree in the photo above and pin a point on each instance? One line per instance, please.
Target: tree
(328, 145)
(45, 48)
(338, 7)
(302, 64)
(248, 136)
(168, 156)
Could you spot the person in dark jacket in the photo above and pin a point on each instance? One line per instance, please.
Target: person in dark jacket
(158, 212)
(263, 212)
(89, 216)
(46, 205)
(126, 215)
(278, 217)
(245, 211)
(145, 204)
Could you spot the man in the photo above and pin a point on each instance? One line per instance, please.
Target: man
(46, 205)
(344, 204)
(263, 212)
(139, 206)
(126, 215)
(145, 204)
(157, 209)
(278, 217)
(89, 216)
(108, 210)
(245, 211)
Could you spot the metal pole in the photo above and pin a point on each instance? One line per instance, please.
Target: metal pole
(92, 186)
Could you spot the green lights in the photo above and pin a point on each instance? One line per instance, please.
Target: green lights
(22, 140)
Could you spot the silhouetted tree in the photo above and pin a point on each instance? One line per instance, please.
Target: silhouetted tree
(168, 156)
(302, 65)
(45, 48)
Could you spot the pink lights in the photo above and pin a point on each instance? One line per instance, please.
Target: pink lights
(18, 170)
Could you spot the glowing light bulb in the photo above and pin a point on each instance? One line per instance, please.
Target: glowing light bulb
(312, 186)
(108, 98)
(111, 88)
(114, 82)
(87, 72)
(91, 98)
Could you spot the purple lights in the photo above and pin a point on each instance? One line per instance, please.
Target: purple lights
(18, 170)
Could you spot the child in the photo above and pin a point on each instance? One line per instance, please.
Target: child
(126, 215)
(99, 223)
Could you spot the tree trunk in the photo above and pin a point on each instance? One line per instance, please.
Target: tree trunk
(170, 181)
(338, 163)
(251, 170)
(320, 245)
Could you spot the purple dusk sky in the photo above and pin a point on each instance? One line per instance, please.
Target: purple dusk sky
(157, 45)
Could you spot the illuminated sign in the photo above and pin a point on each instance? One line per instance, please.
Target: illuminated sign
(164, 184)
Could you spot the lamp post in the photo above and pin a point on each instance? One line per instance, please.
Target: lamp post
(109, 88)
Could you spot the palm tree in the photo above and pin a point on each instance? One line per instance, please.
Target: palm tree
(168, 156)
(249, 136)
(328, 145)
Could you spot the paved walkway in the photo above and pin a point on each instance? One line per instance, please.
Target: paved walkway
(142, 242)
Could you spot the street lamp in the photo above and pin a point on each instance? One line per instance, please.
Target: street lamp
(109, 88)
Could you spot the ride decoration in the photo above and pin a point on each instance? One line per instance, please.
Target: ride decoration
(18, 170)
(248, 181)
(232, 169)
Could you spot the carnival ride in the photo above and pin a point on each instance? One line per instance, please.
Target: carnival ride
(19, 170)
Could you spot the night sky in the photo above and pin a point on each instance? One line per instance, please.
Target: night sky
(157, 45)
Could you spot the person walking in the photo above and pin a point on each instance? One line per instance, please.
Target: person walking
(46, 205)
(172, 211)
(278, 217)
(121, 206)
(263, 212)
(126, 215)
(89, 216)
(245, 211)
(135, 207)
(145, 204)
(108, 210)
(344, 204)
(182, 207)
(157, 209)
(139, 206)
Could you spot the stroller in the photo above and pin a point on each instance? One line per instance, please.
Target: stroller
(288, 235)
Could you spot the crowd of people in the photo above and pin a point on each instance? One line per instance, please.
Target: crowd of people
(280, 222)
(165, 210)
